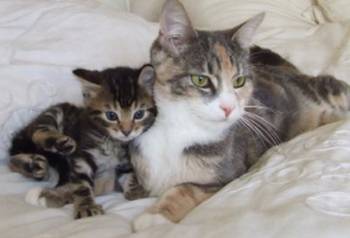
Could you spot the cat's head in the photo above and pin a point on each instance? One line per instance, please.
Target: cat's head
(207, 72)
(120, 100)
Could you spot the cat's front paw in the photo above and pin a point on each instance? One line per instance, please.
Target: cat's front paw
(59, 143)
(132, 190)
(147, 220)
(39, 167)
(65, 145)
(132, 195)
(30, 165)
(88, 210)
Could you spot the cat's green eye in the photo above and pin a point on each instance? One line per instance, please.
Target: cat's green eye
(239, 82)
(200, 81)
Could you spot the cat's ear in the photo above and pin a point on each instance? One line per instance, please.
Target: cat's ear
(246, 31)
(176, 30)
(146, 78)
(90, 81)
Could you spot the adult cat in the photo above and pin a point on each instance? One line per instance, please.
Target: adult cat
(220, 105)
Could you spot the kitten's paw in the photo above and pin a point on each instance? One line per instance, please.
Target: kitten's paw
(135, 194)
(147, 220)
(34, 197)
(132, 190)
(89, 210)
(65, 145)
(39, 167)
(30, 165)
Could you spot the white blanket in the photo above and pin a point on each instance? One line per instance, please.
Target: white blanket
(299, 189)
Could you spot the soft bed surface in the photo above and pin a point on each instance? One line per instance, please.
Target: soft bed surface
(301, 188)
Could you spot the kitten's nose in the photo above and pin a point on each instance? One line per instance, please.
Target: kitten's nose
(126, 127)
(125, 132)
(227, 110)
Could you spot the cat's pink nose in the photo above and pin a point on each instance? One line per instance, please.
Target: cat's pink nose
(227, 110)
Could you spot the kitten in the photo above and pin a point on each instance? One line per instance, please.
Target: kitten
(221, 104)
(86, 144)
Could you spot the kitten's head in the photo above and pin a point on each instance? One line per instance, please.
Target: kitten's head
(120, 100)
(207, 72)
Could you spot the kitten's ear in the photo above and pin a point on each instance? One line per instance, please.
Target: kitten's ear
(146, 78)
(246, 31)
(176, 30)
(90, 81)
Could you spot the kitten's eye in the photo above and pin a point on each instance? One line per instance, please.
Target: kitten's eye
(139, 115)
(112, 116)
(239, 82)
(200, 81)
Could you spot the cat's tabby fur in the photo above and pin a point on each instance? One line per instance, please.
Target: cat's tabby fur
(221, 103)
(86, 144)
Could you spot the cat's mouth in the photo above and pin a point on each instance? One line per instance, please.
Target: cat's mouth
(219, 119)
(124, 138)
(117, 135)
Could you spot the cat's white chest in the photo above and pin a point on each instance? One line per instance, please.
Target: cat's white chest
(161, 154)
(160, 160)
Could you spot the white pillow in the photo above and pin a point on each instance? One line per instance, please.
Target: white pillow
(216, 14)
(336, 10)
(148, 9)
(80, 35)
(116, 4)
(18, 16)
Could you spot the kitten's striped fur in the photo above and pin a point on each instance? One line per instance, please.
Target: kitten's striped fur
(84, 144)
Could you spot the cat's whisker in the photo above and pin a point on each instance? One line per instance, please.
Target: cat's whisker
(268, 137)
(250, 128)
(257, 103)
(269, 128)
(265, 126)
(259, 107)
(255, 130)
(261, 118)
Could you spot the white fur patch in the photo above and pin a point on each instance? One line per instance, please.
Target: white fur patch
(33, 197)
(176, 128)
(147, 220)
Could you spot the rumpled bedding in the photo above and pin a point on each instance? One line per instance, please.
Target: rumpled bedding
(298, 189)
